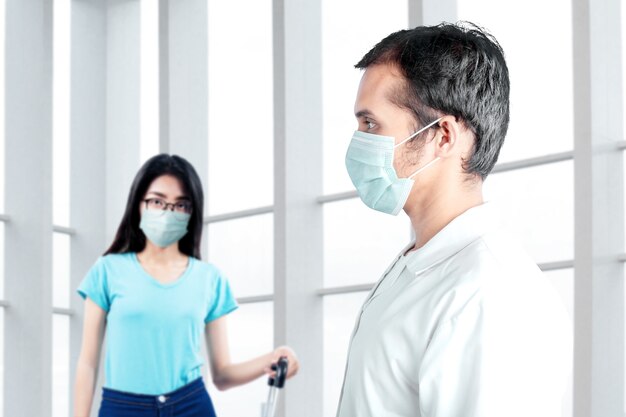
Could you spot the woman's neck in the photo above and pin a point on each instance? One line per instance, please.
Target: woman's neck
(155, 254)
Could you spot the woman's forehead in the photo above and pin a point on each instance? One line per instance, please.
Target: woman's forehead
(167, 186)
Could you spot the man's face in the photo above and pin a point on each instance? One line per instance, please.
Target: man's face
(377, 114)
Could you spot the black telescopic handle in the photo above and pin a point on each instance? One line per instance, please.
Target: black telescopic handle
(280, 368)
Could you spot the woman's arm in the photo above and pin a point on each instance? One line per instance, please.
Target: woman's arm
(226, 374)
(89, 359)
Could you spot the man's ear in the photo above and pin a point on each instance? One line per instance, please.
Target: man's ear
(447, 137)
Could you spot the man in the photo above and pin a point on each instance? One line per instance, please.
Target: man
(462, 324)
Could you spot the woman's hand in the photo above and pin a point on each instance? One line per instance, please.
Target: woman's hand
(287, 352)
(227, 374)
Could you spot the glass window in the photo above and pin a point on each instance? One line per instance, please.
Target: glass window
(359, 243)
(349, 30)
(340, 314)
(2, 177)
(60, 365)
(540, 71)
(2, 81)
(149, 84)
(251, 334)
(2, 277)
(243, 250)
(537, 205)
(623, 8)
(1, 362)
(61, 113)
(624, 20)
(61, 270)
(563, 281)
(61, 202)
(241, 107)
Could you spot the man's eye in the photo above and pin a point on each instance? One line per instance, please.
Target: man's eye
(370, 125)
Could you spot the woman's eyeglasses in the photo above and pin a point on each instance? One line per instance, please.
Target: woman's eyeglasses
(160, 205)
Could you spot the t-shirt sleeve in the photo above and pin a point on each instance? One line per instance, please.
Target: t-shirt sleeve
(95, 285)
(221, 299)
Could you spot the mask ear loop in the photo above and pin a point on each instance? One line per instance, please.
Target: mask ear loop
(418, 132)
(412, 136)
(424, 167)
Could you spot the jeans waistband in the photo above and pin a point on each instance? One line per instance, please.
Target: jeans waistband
(160, 400)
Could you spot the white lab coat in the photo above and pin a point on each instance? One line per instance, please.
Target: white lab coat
(466, 326)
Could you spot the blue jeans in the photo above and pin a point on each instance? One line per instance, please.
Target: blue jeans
(191, 400)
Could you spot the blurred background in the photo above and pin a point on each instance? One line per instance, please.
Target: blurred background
(258, 95)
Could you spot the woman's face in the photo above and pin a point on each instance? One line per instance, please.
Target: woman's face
(165, 189)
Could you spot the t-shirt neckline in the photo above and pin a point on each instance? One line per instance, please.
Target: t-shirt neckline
(154, 280)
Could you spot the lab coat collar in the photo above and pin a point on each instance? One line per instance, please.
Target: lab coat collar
(456, 235)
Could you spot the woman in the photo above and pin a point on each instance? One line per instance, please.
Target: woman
(155, 297)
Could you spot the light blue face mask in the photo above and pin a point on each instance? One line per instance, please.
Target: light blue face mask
(369, 162)
(164, 227)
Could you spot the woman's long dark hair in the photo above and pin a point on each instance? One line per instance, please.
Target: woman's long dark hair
(129, 237)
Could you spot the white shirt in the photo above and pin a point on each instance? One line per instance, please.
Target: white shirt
(466, 326)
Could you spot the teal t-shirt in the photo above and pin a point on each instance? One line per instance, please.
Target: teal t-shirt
(154, 331)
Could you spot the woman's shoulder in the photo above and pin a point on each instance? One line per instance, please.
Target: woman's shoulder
(207, 267)
(113, 260)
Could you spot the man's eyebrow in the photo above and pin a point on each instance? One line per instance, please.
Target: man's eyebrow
(182, 197)
(363, 113)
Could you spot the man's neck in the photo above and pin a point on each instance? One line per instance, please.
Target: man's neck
(431, 215)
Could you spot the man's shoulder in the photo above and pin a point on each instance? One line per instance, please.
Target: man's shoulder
(492, 265)
(496, 252)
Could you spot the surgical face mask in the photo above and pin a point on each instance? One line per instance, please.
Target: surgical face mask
(369, 162)
(164, 227)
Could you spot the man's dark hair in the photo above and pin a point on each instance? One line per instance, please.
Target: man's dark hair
(454, 69)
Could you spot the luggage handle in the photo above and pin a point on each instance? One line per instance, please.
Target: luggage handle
(280, 368)
(275, 382)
